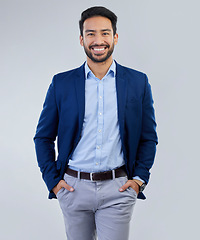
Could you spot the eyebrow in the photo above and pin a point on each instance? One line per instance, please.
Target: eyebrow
(103, 30)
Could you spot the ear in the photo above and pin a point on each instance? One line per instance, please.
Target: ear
(116, 38)
(81, 40)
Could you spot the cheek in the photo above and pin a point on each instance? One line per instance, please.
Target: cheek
(85, 43)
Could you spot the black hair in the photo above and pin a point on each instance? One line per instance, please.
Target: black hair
(98, 11)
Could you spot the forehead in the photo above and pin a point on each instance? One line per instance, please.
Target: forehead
(97, 23)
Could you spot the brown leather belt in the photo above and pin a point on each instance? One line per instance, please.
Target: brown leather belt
(98, 176)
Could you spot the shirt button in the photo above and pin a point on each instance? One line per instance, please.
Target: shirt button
(100, 97)
(98, 146)
(100, 113)
(99, 130)
(96, 163)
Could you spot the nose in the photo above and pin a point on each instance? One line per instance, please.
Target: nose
(98, 39)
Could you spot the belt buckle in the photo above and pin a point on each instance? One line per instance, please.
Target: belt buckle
(91, 177)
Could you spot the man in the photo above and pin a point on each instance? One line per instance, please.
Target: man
(102, 115)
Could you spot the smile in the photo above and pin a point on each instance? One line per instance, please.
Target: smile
(98, 49)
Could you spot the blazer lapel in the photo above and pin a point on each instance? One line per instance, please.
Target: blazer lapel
(80, 94)
(121, 87)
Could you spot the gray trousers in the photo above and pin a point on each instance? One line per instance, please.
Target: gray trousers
(96, 209)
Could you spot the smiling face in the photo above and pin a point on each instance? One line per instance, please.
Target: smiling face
(98, 40)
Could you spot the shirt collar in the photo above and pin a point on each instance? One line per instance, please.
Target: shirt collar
(112, 70)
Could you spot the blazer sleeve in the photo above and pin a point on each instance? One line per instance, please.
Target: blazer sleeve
(45, 137)
(148, 138)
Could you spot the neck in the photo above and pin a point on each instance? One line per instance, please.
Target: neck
(99, 69)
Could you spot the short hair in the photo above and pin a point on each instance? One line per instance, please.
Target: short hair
(98, 11)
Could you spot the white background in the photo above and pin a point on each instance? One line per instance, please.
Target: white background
(41, 38)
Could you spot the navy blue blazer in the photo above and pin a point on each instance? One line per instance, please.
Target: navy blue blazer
(62, 117)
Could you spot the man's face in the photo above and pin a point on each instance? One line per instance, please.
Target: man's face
(98, 40)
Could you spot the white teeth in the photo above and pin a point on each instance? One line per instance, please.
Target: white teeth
(98, 49)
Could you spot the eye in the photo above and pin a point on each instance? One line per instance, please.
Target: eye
(90, 34)
(106, 33)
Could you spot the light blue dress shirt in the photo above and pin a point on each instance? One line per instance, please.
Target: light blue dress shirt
(100, 147)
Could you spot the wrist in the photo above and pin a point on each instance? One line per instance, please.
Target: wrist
(138, 182)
